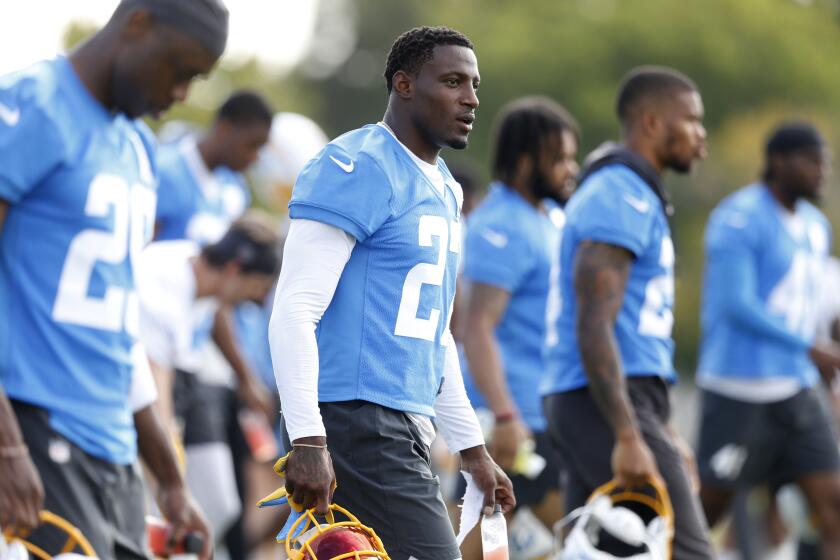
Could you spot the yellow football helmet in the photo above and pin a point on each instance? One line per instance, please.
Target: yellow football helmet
(75, 541)
(336, 540)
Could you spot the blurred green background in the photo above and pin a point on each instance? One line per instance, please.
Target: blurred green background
(756, 62)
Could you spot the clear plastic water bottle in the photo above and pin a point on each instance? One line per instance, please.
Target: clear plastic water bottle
(494, 540)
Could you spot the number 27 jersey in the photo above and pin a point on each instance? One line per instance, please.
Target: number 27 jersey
(80, 189)
(380, 338)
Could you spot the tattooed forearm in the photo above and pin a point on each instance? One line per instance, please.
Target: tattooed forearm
(600, 274)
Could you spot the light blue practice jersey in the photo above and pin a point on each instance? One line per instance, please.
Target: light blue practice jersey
(80, 185)
(762, 279)
(194, 202)
(515, 247)
(615, 206)
(200, 204)
(380, 339)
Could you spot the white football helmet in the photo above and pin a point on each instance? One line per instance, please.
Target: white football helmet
(621, 523)
(294, 140)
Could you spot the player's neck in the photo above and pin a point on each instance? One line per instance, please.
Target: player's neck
(643, 148)
(207, 150)
(410, 137)
(783, 196)
(92, 69)
(521, 187)
(207, 278)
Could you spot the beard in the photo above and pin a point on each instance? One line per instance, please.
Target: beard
(679, 165)
(674, 161)
(544, 189)
(457, 143)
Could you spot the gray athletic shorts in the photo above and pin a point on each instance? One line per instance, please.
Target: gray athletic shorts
(585, 442)
(745, 444)
(384, 475)
(103, 500)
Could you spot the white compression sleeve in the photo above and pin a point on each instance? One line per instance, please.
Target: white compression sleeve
(314, 257)
(455, 416)
(143, 389)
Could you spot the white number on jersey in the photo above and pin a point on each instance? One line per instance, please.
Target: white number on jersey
(795, 296)
(656, 317)
(133, 211)
(408, 323)
(554, 301)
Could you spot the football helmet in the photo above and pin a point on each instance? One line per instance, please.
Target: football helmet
(621, 523)
(306, 538)
(75, 541)
(294, 140)
(335, 540)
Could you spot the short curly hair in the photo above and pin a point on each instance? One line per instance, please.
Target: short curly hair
(415, 47)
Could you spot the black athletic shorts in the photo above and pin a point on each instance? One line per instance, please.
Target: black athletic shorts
(103, 500)
(531, 491)
(585, 442)
(745, 444)
(384, 475)
(205, 410)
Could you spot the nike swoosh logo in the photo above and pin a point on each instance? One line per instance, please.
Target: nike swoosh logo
(9, 116)
(737, 220)
(347, 167)
(639, 205)
(495, 238)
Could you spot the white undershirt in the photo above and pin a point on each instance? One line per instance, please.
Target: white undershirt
(314, 257)
(143, 390)
(430, 170)
(169, 310)
(829, 300)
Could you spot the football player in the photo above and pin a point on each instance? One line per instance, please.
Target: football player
(201, 188)
(77, 202)
(762, 419)
(511, 253)
(202, 191)
(606, 392)
(180, 283)
(360, 334)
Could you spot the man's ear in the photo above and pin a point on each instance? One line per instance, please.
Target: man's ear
(652, 123)
(137, 24)
(232, 268)
(402, 84)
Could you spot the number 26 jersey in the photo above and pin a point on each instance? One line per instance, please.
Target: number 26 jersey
(79, 184)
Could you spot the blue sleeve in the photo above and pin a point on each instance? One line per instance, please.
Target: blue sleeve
(829, 232)
(496, 257)
(31, 146)
(170, 199)
(731, 246)
(619, 212)
(246, 192)
(150, 143)
(334, 189)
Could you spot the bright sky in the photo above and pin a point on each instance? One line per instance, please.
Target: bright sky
(278, 31)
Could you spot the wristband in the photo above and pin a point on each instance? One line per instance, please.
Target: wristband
(505, 417)
(309, 445)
